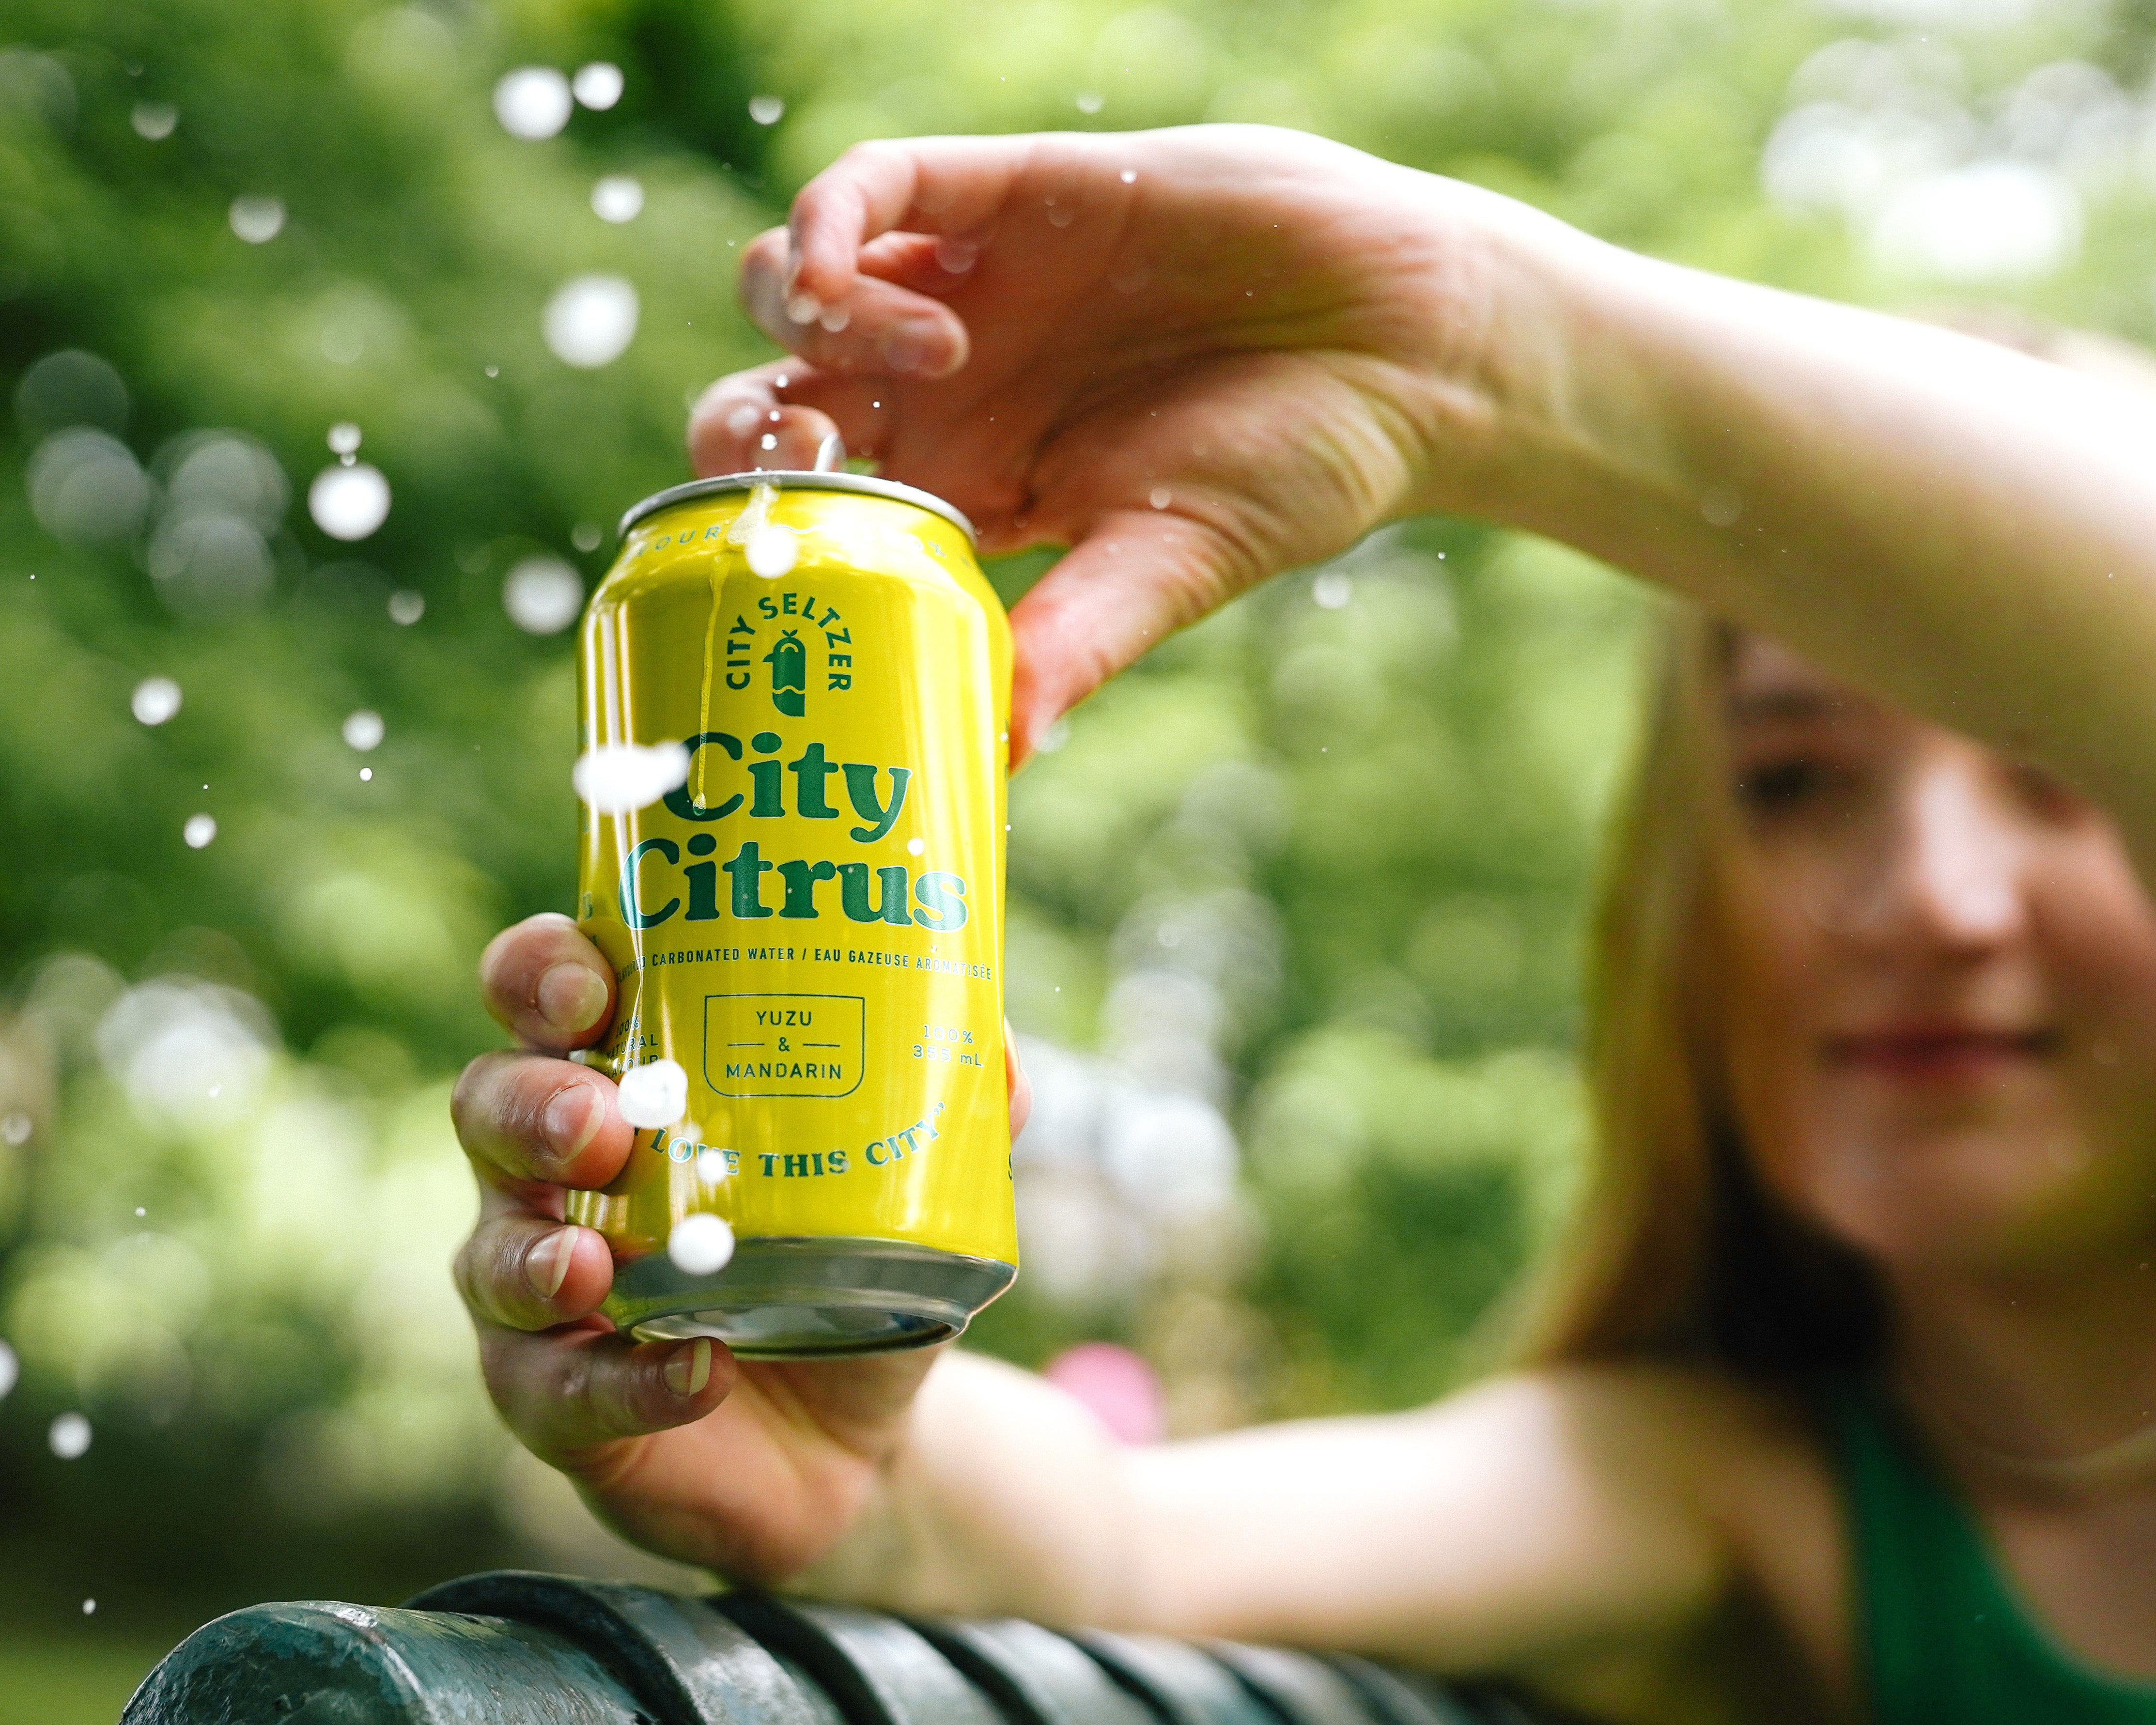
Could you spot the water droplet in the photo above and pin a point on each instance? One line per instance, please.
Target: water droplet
(767, 442)
(1088, 102)
(654, 1094)
(9, 1370)
(69, 1436)
(258, 220)
(532, 102)
(1160, 496)
(542, 595)
(767, 109)
(712, 1165)
(617, 198)
(1332, 589)
(155, 700)
(586, 536)
(366, 774)
(700, 1243)
(772, 551)
(141, 1211)
(154, 120)
(914, 847)
(407, 607)
(1129, 177)
(199, 830)
(15, 1129)
(89, 1608)
(344, 437)
(364, 731)
(349, 503)
(493, 371)
(617, 777)
(591, 321)
(1054, 737)
(597, 84)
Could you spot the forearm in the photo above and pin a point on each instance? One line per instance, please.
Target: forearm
(1514, 1523)
(1969, 531)
(1006, 1497)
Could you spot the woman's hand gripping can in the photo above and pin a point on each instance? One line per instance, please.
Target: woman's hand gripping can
(809, 926)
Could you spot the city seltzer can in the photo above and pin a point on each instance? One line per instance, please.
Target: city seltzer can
(812, 926)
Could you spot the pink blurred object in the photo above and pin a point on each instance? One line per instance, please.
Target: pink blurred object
(1116, 1384)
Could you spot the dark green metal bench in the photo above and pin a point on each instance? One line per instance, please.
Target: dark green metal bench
(511, 1648)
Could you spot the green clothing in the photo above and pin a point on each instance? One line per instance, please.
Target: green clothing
(1942, 1638)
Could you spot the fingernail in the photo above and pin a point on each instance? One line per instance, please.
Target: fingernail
(802, 308)
(572, 1118)
(572, 996)
(689, 1369)
(546, 1265)
(910, 345)
(834, 318)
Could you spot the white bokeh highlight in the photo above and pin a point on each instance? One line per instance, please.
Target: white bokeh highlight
(155, 700)
(542, 595)
(618, 198)
(257, 220)
(349, 502)
(532, 102)
(597, 84)
(591, 321)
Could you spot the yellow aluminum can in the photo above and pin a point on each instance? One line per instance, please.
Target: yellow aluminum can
(811, 926)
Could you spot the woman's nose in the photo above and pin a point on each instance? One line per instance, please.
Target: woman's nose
(1953, 865)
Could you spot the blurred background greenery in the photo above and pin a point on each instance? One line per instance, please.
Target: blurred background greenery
(1296, 906)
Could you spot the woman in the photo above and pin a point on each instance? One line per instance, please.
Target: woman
(1844, 1404)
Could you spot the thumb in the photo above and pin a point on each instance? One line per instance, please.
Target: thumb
(1136, 577)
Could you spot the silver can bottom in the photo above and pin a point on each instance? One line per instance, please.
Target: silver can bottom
(809, 1298)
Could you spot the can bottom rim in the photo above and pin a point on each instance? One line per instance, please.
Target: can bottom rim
(809, 1298)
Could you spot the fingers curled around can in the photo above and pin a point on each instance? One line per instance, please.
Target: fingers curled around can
(775, 416)
(523, 1116)
(888, 323)
(568, 1393)
(1020, 1085)
(543, 982)
(530, 1273)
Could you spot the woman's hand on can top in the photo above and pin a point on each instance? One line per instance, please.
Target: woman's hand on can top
(753, 1469)
(1195, 356)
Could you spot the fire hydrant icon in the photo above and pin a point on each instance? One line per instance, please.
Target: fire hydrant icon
(788, 661)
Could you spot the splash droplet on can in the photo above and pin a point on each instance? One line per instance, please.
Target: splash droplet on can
(700, 1245)
(654, 1094)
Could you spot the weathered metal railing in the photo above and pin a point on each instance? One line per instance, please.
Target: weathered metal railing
(544, 1650)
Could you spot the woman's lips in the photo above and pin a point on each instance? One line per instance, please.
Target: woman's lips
(1940, 1054)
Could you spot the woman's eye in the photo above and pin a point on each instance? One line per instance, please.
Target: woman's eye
(1773, 785)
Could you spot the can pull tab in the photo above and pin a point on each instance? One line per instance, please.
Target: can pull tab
(830, 455)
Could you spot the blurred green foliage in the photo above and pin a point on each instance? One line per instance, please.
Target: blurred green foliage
(1383, 780)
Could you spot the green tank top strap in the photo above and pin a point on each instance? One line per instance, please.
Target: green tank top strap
(1941, 1636)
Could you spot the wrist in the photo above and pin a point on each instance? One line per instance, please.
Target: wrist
(1538, 410)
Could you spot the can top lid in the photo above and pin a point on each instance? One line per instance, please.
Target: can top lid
(794, 480)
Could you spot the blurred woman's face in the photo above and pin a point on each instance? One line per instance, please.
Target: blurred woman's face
(1943, 1032)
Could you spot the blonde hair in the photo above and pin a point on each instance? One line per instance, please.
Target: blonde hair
(1677, 1251)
